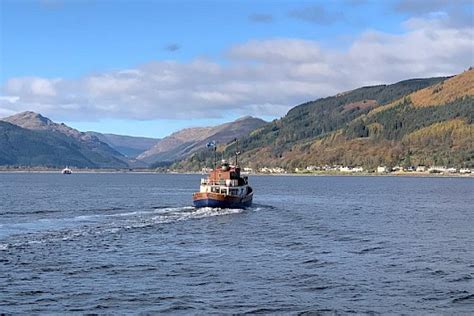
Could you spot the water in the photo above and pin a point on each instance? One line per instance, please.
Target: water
(131, 243)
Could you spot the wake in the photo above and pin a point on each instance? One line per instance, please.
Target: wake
(63, 229)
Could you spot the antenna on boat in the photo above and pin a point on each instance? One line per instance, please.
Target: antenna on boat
(213, 144)
(237, 152)
(215, 157)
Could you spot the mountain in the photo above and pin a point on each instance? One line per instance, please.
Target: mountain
(412, 122)
(130, 146)
(418, 121)
(23, 147)
(183, 143)
(30, 139)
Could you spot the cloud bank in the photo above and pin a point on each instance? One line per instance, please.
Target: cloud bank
(259, 77)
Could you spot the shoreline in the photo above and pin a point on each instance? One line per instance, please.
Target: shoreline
(315, 174)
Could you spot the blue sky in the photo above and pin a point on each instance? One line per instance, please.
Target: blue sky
(72, 38)
(151, 67)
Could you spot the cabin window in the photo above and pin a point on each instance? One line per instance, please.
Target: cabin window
(224, 191)
(234, 192)
(215, 189)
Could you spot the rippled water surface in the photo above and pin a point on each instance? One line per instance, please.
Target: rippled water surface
(132, 243)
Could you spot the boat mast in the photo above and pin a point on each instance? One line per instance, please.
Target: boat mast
(213, 145)
(237, 153)
(215, 157)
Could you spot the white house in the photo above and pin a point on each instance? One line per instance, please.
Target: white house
(272, 170)
(357, 169)
(382, 169)
(397, 168)
(435, 169)
(420, 169)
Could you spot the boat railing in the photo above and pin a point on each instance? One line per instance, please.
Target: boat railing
(226, 182)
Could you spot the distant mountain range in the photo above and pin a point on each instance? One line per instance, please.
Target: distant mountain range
(184, 143)
(30, 139)
(129, 146)
(413, 122)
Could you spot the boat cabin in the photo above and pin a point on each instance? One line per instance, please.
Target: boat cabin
(225, 179)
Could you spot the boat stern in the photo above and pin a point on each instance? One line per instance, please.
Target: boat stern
(208, 199)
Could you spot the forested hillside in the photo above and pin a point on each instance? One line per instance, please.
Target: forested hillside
(421, 121)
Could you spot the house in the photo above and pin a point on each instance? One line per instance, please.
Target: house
(397, 168)
(382, 169)
(464, 170)
(437, 169)
(358, 169)
(420, 169)
(272, 170)
(351, 169)
(278, 170)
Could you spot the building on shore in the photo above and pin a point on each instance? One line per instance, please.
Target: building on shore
(272, 170)
(437, 169)
(351, 169)
(382, 169)
(421, 169)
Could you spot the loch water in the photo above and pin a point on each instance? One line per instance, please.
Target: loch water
(132, 243)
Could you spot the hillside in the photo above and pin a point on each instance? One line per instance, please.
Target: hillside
(31, 139)
(129, 146)
(367, 127)
(183, 143)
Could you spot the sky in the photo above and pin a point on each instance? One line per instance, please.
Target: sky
(150, 67)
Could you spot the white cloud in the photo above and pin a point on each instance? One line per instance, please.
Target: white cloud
(32, 86)
(265, 77)
(277, 50)
(9, 99)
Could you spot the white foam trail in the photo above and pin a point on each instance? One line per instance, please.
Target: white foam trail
(134, 213)
(97, 224)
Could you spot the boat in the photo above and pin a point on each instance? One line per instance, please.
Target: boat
(66, 171)
(224, 188)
